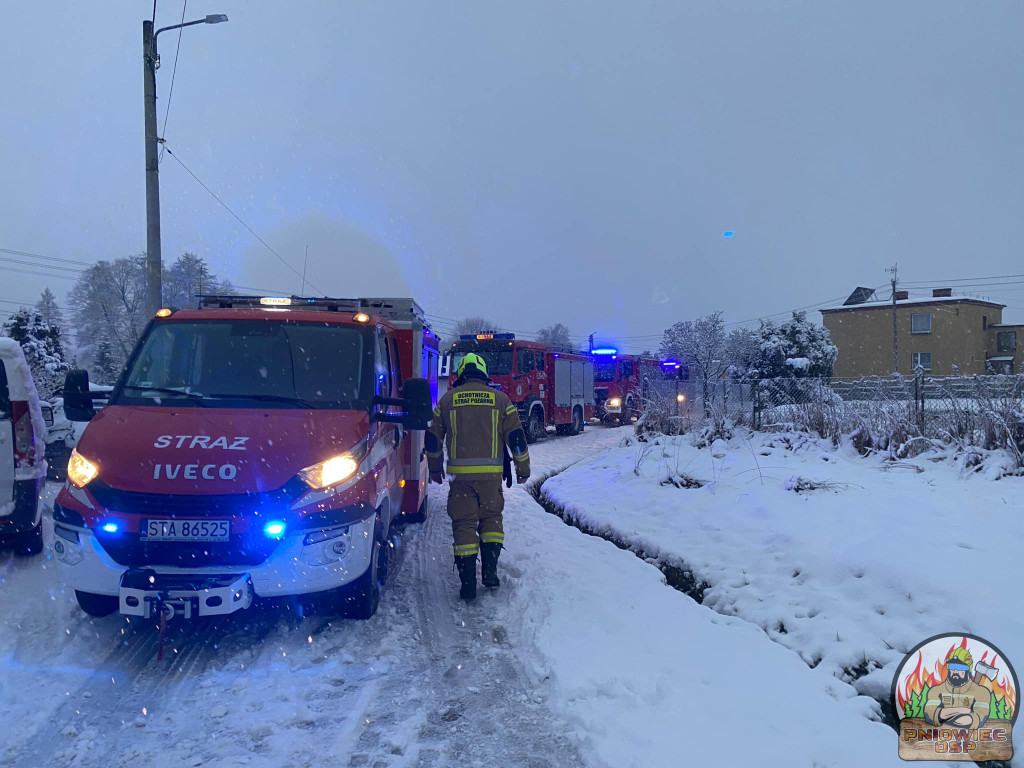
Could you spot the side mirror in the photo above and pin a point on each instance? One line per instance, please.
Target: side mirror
(419, 407)
(77, 397)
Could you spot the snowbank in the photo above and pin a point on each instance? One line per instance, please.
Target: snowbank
(847, 561)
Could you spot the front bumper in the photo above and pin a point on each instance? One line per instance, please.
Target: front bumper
(295, 567)
(145, 594)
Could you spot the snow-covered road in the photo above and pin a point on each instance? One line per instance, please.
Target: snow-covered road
(427, 682)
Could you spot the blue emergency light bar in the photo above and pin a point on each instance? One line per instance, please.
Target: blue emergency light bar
(486, 336)
(605, 351)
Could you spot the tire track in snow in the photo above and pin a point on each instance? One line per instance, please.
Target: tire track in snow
(468, 699)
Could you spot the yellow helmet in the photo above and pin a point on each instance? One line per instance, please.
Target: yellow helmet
(474, 360)
(961, 655)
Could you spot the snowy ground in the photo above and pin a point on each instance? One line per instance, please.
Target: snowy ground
(864, 568)
(585, 657)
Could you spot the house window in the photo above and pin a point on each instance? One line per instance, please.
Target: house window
(921, 323)
(921, 360)
(984, 322)
(1006, 342)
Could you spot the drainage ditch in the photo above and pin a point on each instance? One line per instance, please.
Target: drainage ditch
(682, 578)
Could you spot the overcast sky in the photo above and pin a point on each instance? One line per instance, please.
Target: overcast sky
(573, 161)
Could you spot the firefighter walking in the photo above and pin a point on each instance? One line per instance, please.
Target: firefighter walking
(476, 422)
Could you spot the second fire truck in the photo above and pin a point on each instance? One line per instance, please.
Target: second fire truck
(549, 385)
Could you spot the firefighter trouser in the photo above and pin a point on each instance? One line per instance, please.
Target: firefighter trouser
(475, 509)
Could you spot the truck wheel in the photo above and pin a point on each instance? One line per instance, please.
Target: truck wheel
(577, 422)
(534, 426)
(96, 605)
(628, 412)
(30, 542)
(361, 598)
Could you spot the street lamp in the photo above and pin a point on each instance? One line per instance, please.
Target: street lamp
(150, 63)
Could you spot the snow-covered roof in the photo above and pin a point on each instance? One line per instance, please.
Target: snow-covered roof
(1001, 358)
(883, 303)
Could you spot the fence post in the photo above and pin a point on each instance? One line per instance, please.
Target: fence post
(919, 399)
(755, 403)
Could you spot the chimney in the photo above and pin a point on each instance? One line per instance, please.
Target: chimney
(939, 293)
(902, 295)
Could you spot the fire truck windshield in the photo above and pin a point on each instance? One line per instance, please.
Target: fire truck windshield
(252, 363)
(497, 355)
(604, 371)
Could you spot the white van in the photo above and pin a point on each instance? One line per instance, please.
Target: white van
(22, 454)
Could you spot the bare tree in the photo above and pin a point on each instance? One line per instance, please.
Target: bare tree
(701, 343)
(189, 277)
(555, 334)
(108, 304)
(475, 324)
(49, 309)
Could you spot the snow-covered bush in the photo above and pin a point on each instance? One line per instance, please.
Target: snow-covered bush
(796, 347)
(44, 350)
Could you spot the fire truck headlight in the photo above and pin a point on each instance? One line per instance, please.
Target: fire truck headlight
(81, 471)
(334, 470)
(615, 402)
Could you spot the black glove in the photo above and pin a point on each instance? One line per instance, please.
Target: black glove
(506, 467)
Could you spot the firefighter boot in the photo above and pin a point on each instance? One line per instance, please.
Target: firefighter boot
(489, 552)
(467, 574)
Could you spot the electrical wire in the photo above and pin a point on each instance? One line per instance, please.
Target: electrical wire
(957, 280)
(28, 254)
(238, 218)
(170, 91)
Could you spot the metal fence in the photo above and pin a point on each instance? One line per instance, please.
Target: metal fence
(986, 411)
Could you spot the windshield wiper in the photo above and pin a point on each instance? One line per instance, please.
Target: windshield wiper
(195, 396)
(266, 398)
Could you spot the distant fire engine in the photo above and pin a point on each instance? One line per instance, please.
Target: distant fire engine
(619, 383)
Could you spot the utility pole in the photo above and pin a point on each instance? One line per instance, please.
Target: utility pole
(154, 261)
(895, 335)
(150, 63)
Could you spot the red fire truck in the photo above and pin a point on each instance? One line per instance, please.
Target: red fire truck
(549, 385)
(618, 383)
(256, 447)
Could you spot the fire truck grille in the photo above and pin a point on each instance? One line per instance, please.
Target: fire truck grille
(241, 549)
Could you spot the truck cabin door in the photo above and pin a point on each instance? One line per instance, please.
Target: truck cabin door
(524, 386)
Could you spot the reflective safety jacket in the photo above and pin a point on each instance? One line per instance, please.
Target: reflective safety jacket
(475, 422)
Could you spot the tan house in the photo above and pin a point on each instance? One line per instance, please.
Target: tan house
(943, 334)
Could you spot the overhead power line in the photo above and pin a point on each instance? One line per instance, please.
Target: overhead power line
(939, 283)
(170, 91)
(29, 254)
(237, 217)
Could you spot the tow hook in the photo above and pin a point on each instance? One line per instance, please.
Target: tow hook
(167, 612)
